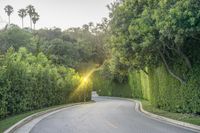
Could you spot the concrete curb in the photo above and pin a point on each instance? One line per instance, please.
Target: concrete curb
(26, 120)
(165, 119)
(139, 108)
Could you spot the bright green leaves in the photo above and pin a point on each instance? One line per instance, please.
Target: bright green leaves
(30, 82)
(155, 32)
(158, 40)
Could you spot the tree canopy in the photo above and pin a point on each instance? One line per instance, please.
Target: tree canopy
(149, 32)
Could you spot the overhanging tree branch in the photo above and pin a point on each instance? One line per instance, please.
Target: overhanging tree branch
(181, 54)
(169, 70)
(145, 71)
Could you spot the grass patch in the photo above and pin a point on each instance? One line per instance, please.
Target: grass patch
(9, 121)
(189, 118)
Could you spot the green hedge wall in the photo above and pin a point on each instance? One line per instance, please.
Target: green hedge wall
(107, 87)
(158, 87)
(29, 82)
(165, 92)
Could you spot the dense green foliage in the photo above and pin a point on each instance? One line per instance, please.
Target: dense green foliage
(107, 84)
(106, 87)
(29, 82)
(15, 37)
(166, 93)
(154, 48)
(49, 67)
(72, 47)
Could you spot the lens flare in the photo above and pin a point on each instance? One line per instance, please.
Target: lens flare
(83, 87)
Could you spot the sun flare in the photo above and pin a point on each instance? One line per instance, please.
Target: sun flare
(83, 87)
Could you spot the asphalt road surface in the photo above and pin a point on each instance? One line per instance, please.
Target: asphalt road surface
(104, 116)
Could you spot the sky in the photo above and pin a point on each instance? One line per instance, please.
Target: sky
(58, 13)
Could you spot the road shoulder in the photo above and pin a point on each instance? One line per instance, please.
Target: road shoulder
(150, 115)
(34, 118)
(168, 120)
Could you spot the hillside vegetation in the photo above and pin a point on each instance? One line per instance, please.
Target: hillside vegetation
(47, 67)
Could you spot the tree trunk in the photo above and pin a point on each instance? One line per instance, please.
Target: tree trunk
(169, 70)
(30, 22)
(9, 20)
(22, 23)
(182, 55)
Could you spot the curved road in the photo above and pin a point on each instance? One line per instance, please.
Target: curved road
(104, 116)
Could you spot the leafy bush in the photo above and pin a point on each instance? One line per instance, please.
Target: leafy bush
(108, 87)
(29, 82)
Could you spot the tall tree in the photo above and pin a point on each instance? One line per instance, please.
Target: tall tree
(9, 10)
(152, 32)
(22, 13)
(30, 10)
(35, 18)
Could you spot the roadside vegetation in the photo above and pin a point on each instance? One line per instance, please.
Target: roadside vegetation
(189, 118)
(31, 82)
(45, 68)
(154, 51)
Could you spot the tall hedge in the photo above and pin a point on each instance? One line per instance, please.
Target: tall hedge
(167, 93)
(29, 82)
(108, 87)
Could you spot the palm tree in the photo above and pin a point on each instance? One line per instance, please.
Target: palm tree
(35, 18)
(30, 10)
(22, 13)
(9, 10)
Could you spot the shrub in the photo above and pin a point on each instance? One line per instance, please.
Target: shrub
(29, 82)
